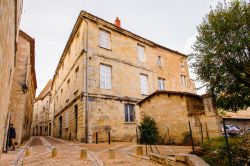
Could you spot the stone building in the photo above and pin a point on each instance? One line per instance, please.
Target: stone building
(23, 87)
(103, 72)
(41, 112)
(172, 112)
(240, 119)
(9, 22)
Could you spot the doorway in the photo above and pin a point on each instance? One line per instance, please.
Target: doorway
(76, 120)
(49, 129)
(60, 126)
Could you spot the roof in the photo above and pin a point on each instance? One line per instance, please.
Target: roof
(169, 93)
(243, 114)
(84, 14)
(46, 90)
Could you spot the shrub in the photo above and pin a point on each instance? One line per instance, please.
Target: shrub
(214, 151)
(148, 131)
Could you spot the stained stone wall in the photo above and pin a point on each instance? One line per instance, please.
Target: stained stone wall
(106, 106)
(9, 23)
(171, 111)
(23, 88)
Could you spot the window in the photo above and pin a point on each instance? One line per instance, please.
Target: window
(104, 39)
(129, 113)
(159, 61)
(161, 83)
(140, 52)
(105, 76)
(144, 84)
(181, 63)
(183, 80)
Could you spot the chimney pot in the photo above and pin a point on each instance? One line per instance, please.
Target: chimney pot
(118, 22)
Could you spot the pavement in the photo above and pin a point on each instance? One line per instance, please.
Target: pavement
(69, 153)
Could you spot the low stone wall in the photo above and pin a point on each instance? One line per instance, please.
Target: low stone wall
(187, 159)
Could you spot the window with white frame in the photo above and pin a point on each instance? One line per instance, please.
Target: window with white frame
(141, 52)
(105, 76)
(104, 39)
(129, 113)
(161, 83)
(183, 80)
(159, 61)
(144, 84)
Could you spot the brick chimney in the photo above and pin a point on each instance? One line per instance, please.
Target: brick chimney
(118, 22)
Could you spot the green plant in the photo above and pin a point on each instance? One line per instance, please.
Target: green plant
(148, 131)
(187, 138)
(214, 151)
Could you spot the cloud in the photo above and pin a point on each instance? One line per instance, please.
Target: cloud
(188, 44)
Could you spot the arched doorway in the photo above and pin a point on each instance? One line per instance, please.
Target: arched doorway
(60, 126)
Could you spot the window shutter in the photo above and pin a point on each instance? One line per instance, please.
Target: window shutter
(140, 51)
(104, 39)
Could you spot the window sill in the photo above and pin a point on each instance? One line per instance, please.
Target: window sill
(128, 123)
(109, 49)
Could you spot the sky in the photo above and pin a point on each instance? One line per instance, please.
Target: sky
(171, 23)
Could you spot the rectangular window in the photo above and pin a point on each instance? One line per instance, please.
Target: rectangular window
(159, 61)
(161, 83)
(129, 113)
(144, 84)
(140, 52)
(104, 39)
(105, 76)
(183, 80)
(181, 63)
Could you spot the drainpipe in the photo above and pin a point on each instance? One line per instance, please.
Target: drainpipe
(86, 85)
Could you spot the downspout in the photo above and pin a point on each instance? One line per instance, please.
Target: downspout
(86, 86)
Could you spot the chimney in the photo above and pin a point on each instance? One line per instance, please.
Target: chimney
(118, 22)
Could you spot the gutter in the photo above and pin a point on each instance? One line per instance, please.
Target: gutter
(86, 85)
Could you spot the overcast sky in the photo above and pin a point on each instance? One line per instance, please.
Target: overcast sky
(171, 23)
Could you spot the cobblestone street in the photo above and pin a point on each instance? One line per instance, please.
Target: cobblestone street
(69, 153)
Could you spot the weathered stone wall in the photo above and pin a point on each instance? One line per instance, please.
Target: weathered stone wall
(40, 124)
(172, 117)
(23, 89)
(9, 23)
(106, 108)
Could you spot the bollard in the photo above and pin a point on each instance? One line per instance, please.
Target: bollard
(83, 153)
(111, 153)
(54, 152)
(139, 151)
(28, 152)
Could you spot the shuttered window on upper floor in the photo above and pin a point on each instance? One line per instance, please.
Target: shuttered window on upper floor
(141, 52)
(104, 39)
(144, 84)
(105, 76)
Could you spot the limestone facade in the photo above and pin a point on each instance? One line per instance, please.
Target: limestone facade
(40, 122)
(103, 72)
(23, 87)
(9, 22)
(172, 112)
